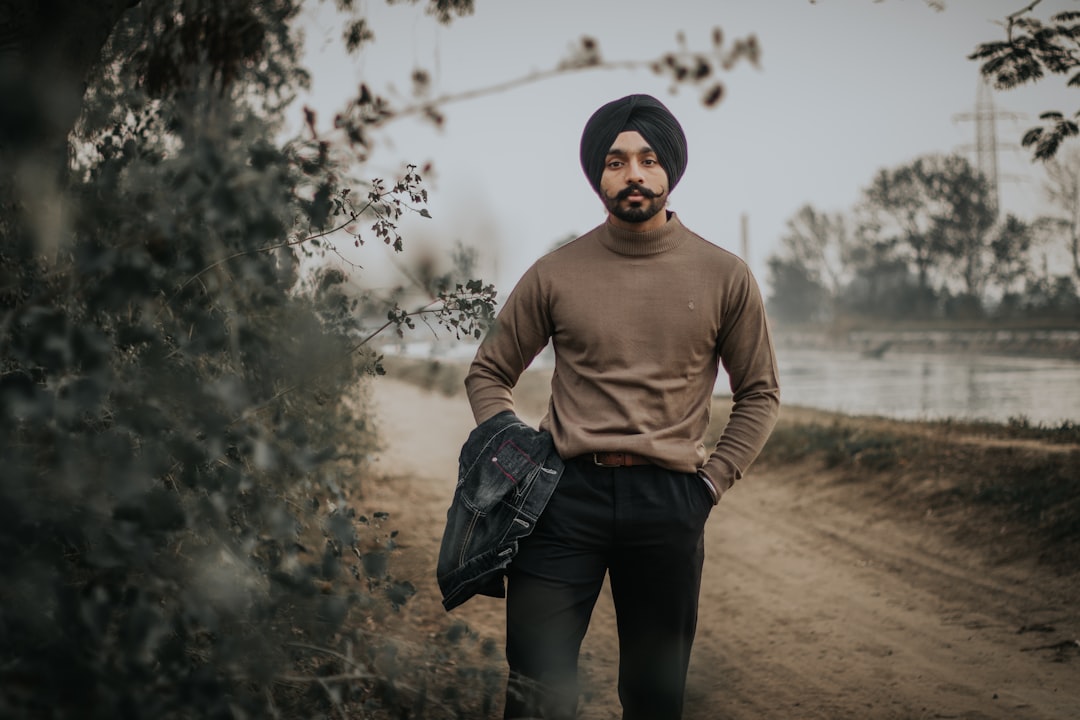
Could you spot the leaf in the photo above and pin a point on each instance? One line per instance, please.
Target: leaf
(990, 49)
(16, 387)
(332, 610)
(713, 95)
(375, 564)
(400, 592)
(340, 527)
(356, 35)
(424, 213)
(320, 207)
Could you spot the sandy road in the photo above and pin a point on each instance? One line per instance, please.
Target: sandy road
(815, 603)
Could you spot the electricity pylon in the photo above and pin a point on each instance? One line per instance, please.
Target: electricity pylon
(986, 143)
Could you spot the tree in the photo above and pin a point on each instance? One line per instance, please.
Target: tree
(896, 211)
(1032, 49)
(809, 271)
(1009, 248)
(1051, 297)
(934, 212)
(881, 283)
(1062, 189)
(966, 215)
(795, 296)
(818, 241)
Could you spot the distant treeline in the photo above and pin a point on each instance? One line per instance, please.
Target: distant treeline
(926, 242)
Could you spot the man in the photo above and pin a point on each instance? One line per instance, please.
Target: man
(641, 311)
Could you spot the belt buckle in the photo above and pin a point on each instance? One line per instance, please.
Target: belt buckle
(597, 463)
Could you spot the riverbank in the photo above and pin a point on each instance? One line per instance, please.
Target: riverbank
(864, 568)
(1049, 342)
(1029, 376)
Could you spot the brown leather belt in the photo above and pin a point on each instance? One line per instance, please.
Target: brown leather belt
(616, 459)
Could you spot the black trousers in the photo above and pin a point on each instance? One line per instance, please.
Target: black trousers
(643, 525)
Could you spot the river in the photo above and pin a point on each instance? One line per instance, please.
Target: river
(905, 385)
(919, 386)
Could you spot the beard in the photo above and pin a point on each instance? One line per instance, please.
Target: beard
(638, 212)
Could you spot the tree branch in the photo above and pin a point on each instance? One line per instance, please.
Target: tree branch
(354, 215)
(426, 309)
(1011, 19)
(725, 59)
(534, 77)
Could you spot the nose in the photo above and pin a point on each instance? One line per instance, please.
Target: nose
(634, 173)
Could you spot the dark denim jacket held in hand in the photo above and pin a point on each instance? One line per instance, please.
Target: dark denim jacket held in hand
(507, 472)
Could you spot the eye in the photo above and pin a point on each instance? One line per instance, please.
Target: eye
(614, 164)
(648, 161)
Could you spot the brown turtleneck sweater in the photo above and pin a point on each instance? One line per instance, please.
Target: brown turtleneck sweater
(639, 324)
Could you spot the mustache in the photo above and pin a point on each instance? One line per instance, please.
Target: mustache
(639, 189)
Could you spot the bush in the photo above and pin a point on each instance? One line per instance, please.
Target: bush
(172, 425)
(179, 401)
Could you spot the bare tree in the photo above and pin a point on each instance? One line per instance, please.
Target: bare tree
(1062, 189)
(818, 241)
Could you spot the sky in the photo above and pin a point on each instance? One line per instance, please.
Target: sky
(844, 88)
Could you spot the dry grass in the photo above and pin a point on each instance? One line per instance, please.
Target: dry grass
(1015, 494)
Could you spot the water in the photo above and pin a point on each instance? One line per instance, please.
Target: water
(916, 386)
(903, 385)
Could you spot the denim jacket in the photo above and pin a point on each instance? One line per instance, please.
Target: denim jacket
(507, 472)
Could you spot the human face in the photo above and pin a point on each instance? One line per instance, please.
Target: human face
(634, 186)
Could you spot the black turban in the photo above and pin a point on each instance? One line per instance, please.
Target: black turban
(644, 114)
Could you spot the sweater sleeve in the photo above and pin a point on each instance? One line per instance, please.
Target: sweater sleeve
(746, 351)
(521, 330)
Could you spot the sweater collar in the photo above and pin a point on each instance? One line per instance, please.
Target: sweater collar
(628, 242)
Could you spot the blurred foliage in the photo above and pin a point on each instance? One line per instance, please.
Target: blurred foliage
(933, 213)
(1062, 190)
(183, 431)
(1032, 49)
(924, 224)
(926, 246)
(700, 70)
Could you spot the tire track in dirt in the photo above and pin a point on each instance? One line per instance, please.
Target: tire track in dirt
(810, 613)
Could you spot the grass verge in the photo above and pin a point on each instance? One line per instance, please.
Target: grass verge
(1014, 491)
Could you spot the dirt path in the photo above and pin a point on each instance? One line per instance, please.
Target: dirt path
(815, 604)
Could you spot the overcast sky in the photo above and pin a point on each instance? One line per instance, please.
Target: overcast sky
(844, 88)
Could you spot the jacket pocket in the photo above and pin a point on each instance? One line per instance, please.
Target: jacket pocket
(511, 470)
